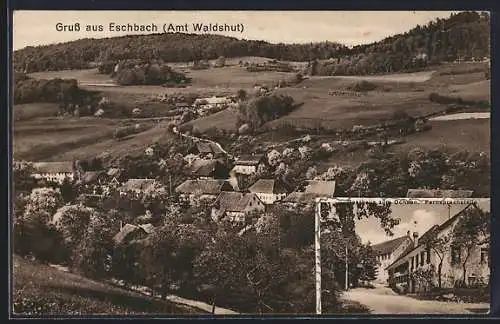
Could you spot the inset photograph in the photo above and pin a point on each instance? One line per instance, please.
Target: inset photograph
(419, 258)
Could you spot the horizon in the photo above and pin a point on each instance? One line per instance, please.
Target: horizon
(349, 28)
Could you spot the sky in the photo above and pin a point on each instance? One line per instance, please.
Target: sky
(32, 28)
(415, 218)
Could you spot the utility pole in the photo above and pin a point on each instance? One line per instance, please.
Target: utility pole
(346, 267)
(317, 248)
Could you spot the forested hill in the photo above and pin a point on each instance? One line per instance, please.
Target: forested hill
(463, 35)
(170, 47)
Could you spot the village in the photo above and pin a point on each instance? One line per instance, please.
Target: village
(201, 174)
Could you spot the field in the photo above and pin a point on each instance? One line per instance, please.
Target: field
(58, 139)
(37, 136)
(42, 290)
(457, 135)
(34, 110)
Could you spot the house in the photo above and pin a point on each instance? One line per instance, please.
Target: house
(206, 169)
(140, 186)
(436, 193)
(206, 149)
(314, 189)
(54, 171)
(235, 206)
(421, 257)
(212, 101)
(248, 164)
(203, 188)
(129, 233)
(269, 190)
(91, 177)
(387, 252)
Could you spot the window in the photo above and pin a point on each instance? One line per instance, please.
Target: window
(484, 255)
(422, 258)
(412, 264)
(416, 261)
(428, 256)
(455, 255)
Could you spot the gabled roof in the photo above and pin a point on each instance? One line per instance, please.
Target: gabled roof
(138, 184)
(249, 159)
(207, 147)
(269, 186)
(53, 167)
(434, 193)
(126, 230)
(201, 187)
(90, 176)
(148, 228)
(314, 189)
(390, 246)
(434, 230)
(113, 172)
(234, 201)
(202, 167)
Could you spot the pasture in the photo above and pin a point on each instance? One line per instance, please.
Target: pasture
(42, 290)
(65, 139)
(36, 136)
(34, 110)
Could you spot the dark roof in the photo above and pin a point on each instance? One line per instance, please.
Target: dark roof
(53, 167)
(234, 201)
(314, 189)
(207, 147)
(138, 184)
(431, 231)
(390, 246)
(201, 187)
(434, 193)
(126, 230)
(269, 186)
(90, 176)
(202, 167)
(250, 159)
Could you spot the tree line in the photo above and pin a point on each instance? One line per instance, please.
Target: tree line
(463, 35)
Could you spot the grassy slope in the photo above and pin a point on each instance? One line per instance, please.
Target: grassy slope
(42, 290)
(35, 138)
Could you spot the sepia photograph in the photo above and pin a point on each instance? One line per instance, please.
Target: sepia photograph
(428, 257)
(171, 163)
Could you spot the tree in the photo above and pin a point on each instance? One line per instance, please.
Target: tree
(440, 245)
(369, 263)
(241, 95)
(471, 228)
(93, 255)
(220, 62)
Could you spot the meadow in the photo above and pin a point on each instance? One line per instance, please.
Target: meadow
(42, 290)
(40, 136)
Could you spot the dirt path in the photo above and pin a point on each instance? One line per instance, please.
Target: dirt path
(382, 300)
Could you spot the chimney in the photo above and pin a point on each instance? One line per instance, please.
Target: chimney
(408, 234)
(415, 239)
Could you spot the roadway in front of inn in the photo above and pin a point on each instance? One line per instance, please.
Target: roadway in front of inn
(382, 300)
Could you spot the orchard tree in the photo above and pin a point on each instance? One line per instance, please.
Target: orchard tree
(470, 230)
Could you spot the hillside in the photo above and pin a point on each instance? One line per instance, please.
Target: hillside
(42, 290)
(465, 35)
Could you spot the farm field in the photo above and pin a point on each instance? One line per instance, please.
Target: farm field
(396, 77)
(39, 138)
(33, 110)
(472, 135)
(225, 119)
(57, 139)
(42, 290)
(213, 81)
